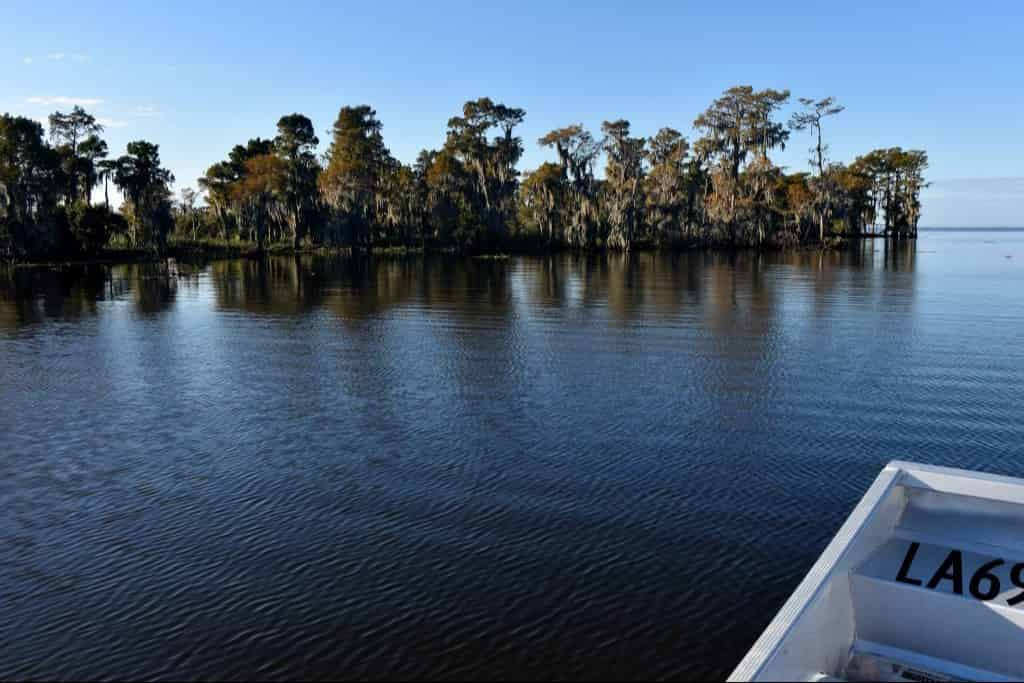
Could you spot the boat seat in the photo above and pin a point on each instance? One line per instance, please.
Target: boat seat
(947, 596)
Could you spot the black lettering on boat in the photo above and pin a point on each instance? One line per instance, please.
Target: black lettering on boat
(985, 575)
(903, 576)
(1017, 578)
(952, 569)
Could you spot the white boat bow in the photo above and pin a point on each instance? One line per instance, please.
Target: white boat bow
(923, 582)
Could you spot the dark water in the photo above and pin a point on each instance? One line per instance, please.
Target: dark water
(559, 467)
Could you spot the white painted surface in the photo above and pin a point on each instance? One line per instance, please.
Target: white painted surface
(924, 663)
(940, 625)
(852, 596)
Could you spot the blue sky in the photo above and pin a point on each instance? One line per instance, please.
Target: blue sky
(198, 78)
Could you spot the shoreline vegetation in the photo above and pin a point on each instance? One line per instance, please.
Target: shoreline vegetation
(276, 195)
(207, 250)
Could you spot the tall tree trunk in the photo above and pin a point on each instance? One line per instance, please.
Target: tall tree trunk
(821, 160)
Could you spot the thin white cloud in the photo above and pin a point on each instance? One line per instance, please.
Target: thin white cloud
(56, 56)
(146, 112)
(66, 101)
(111, 123)
(27, 60)
(81, 58)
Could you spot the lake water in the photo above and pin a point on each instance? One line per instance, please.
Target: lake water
(570, 466)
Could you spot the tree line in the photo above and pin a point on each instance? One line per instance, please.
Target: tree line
(46, 188)
(660, 191)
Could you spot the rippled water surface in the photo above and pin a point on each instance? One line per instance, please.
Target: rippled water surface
(571, 467)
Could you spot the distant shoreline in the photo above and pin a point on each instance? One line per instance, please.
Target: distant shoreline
(204, 252)
(923, 229)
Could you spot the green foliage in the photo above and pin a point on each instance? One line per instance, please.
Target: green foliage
(296, 182)
(669, 187)
(92, 226)
(469, 194)
(146, 187)
(824, 189)
(623, 187)
(577, 153)
(357, 165)
(76, 138)
(892, 180)
(542, 201)
(230, 194)
(489, 187)
(31, 181)
(740, 123)
(739, 132)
